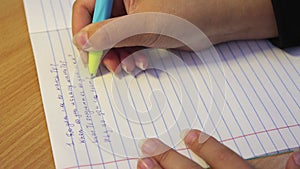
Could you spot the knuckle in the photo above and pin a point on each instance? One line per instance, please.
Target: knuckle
(224, 155)
(197, 147)
(75, 6)
(83, 5)
(146, 40)
(164, 157)
(152, 40)
(160, 41)
(221, 156)
(130, 6)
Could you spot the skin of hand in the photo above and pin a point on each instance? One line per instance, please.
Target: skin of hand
(220, 20)
(209, 149)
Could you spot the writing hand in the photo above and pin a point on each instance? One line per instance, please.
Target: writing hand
(220, 21)
(82, 16)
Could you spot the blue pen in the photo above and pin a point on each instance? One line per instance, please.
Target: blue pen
(102, 11)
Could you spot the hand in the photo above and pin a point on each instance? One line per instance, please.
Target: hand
(218, 156)
(220, 21)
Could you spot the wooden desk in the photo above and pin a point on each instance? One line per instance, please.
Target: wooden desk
(24, 140)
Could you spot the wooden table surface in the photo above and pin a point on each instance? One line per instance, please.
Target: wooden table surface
(24, 139)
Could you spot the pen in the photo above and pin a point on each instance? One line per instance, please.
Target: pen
(102, 11)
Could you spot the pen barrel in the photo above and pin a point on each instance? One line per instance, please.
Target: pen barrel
(102, 10)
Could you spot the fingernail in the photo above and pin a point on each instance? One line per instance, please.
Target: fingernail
(203, 137)
(125, 68)
(142, 65)
(116, 71)
(191, 137)
(296, 157)
(81, 40)
(148, 146)
(109, 69)
(147, 163)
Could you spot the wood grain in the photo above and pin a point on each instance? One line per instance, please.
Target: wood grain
(24, 140)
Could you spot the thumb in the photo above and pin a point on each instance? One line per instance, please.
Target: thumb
(149, 29)
(293, 161)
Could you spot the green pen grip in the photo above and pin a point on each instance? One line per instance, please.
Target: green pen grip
(94, 61)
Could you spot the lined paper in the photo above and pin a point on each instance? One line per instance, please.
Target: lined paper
(247, 97)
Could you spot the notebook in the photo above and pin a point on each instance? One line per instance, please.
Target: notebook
(248, 97)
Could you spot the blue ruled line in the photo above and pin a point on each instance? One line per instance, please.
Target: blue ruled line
(53, 56)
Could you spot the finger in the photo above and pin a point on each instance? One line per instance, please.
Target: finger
(82, 14)
(127, 60)
(126, 31)
(141, 61)
(140, 58)
(165, 156)
(137, 57)
(293, 161)
(111, 61)
(148, 163)
(213, 152)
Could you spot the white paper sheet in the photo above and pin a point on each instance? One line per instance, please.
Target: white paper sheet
(251, 97)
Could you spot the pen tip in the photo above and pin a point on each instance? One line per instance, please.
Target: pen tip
(93, 75)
